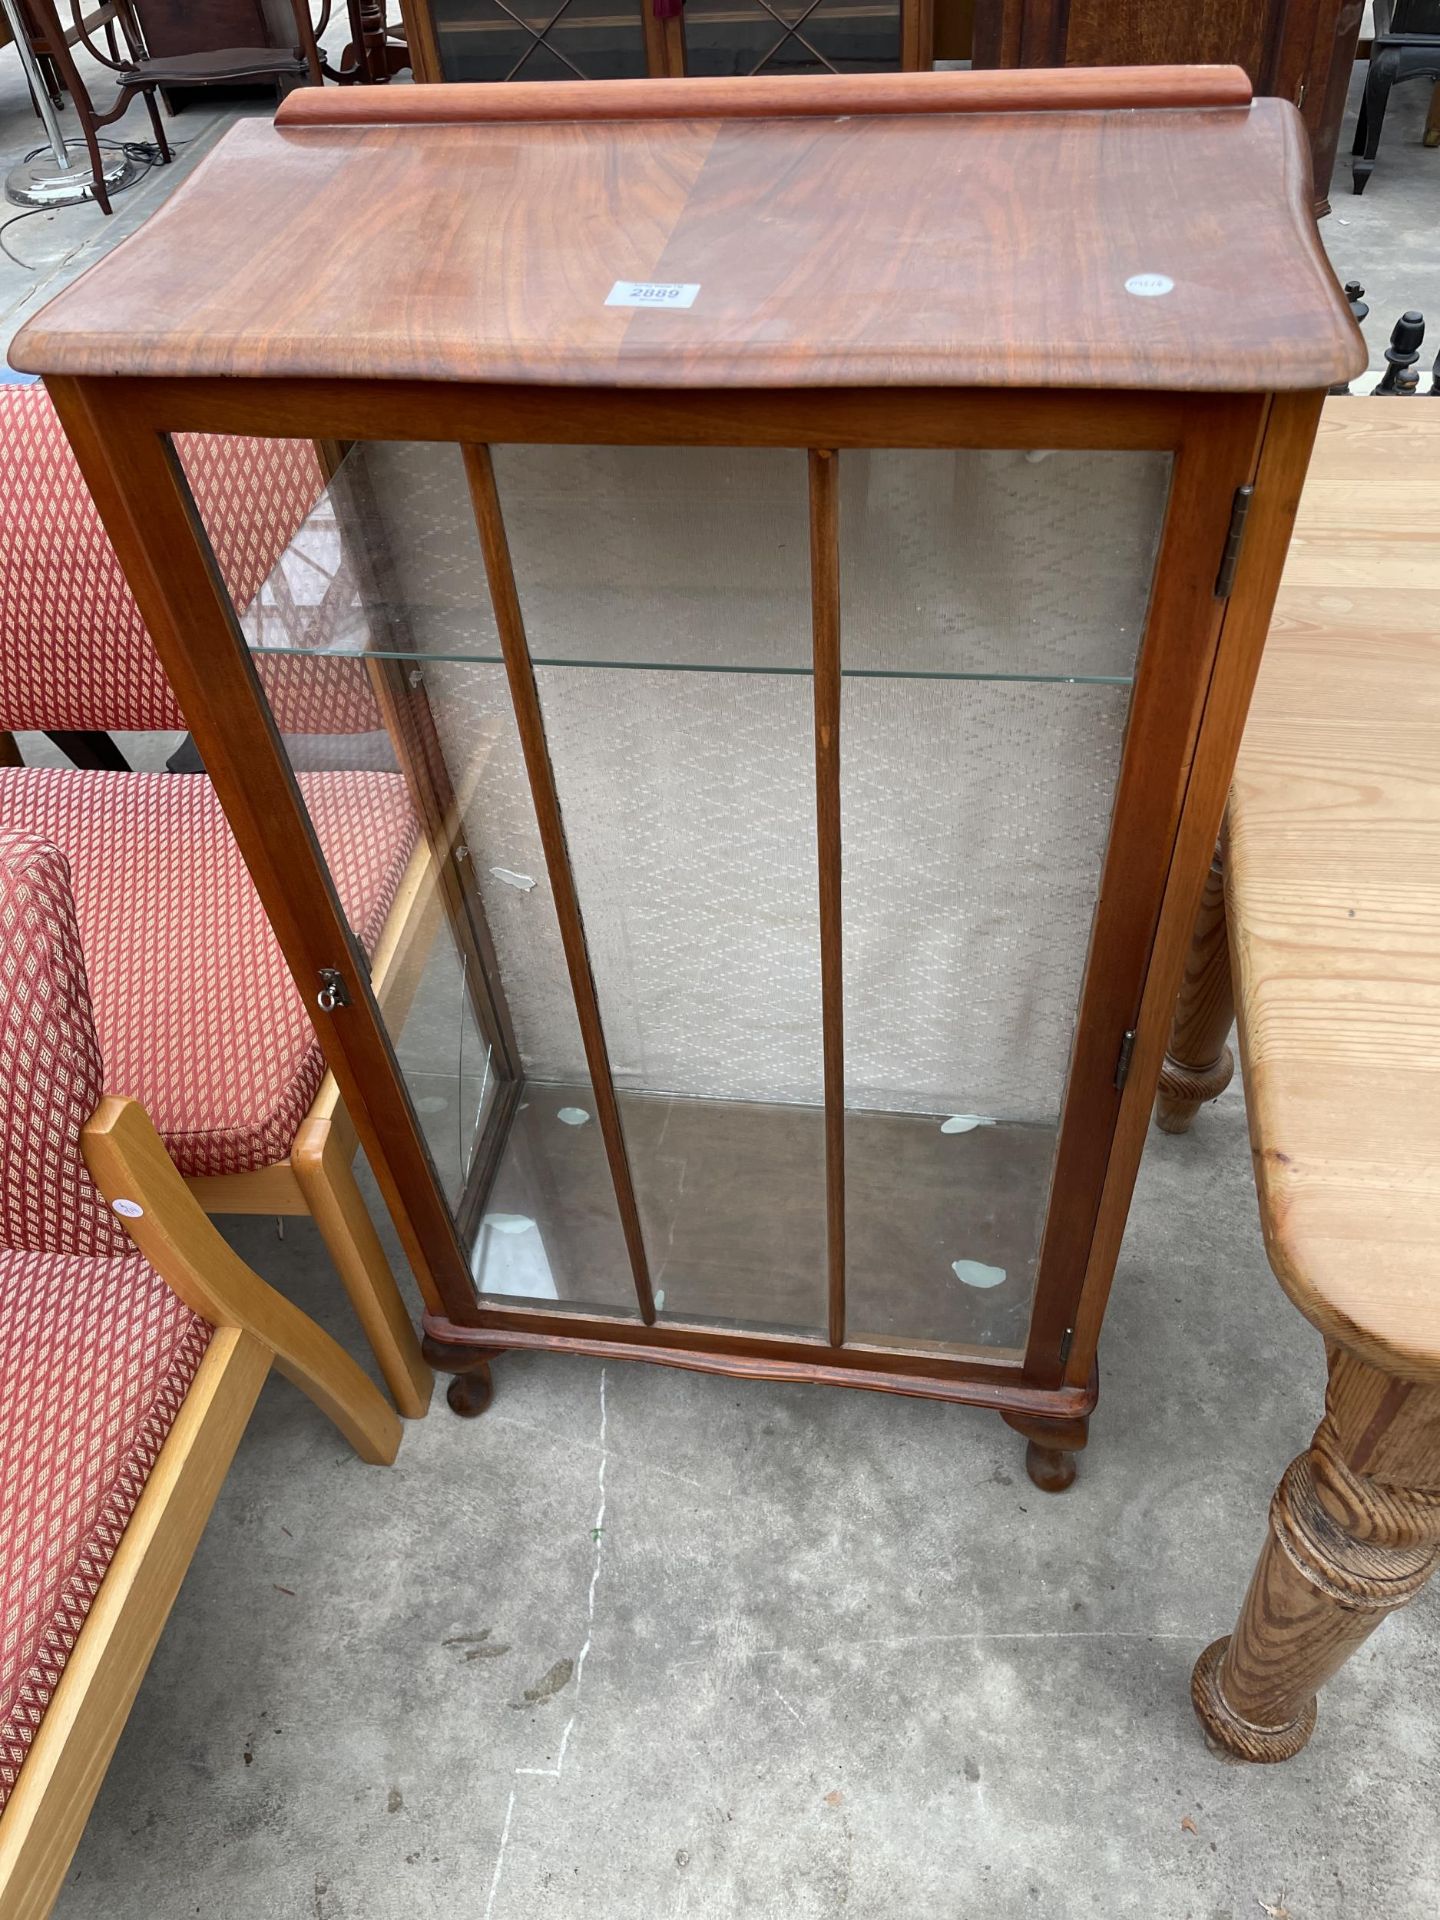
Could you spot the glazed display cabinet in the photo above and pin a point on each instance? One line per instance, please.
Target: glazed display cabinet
(505, 40)
(795, 557)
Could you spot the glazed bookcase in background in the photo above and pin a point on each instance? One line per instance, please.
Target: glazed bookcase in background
(818, 694)
(488, 40)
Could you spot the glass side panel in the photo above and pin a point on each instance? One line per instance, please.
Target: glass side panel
(974, 819)
(689, 807)
(791, 36)
(523, 40)
(412, 775)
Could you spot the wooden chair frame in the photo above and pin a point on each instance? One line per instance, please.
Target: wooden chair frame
(255, 1329)
(136, 72)
(317, 1175)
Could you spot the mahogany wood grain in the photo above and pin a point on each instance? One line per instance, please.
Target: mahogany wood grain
(825, 625)
(525, 700)
(1334, 896)
(828, 251)
(1198, 1063)
(1170, 720)
(745, 1356)
(1279, 476)
(1354, 1533)
(767, 96)
(571, 416)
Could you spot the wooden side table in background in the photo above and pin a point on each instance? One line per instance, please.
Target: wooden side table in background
(1331, 925)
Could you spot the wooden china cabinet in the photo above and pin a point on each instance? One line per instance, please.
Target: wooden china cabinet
(465, 40)
(1298, 50)
(811, 541)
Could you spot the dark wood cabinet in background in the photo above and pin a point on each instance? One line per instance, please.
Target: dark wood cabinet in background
(1299, 50)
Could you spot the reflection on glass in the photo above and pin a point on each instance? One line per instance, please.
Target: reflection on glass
(790, 36)
(586, 39)
(992, 608)
(689, 805)
(975, 815)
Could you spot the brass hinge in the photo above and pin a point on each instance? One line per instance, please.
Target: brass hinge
(1122, 1065)
(1234, 538)
(1066, 1340)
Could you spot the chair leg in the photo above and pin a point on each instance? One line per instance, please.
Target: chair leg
(95, 752)
(1371, 120)
(326, 1178)
(97, 161)
(161, 142)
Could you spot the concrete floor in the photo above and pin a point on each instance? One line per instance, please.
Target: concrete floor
(650, 1643)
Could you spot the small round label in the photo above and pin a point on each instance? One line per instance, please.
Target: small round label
(1147, 285)
(129, 1209)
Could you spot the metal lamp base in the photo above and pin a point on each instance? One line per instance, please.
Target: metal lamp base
(43, 182)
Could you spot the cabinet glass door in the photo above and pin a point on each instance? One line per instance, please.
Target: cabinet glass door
(553, 712)
(540, 39)
(792, 36)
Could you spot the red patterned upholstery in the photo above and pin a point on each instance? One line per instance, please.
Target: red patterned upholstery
(96, 1353)
(50, 1067)
(74, 652)
(96, 1356)
(198, 1017)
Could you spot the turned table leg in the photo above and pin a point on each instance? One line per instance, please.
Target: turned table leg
(1198, 1063)
(1354, 1533)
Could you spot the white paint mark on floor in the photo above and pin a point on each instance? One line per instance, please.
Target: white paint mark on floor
(598, 1539)
(500, 1856)
(787, 1706)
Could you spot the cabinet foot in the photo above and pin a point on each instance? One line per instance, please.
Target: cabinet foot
(472, 1389)
(1051, 1447)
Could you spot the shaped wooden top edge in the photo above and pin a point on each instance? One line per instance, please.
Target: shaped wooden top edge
(767, 96)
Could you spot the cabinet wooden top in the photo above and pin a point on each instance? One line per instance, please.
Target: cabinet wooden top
(878, 231)
(1334, 890)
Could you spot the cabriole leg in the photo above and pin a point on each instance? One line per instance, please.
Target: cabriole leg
(1052, 1447)
(1198, 1063)
(1354, 1533)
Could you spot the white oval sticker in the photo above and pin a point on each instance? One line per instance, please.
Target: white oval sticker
(129, 1209)
(1147, 285)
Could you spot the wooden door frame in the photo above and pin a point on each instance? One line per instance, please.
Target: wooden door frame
(1159, 847)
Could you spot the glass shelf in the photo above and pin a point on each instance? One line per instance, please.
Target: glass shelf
(599, 542)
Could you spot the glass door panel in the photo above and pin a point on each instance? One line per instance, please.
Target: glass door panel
(655, 719)
(666, 592)
(992, 608)
(791, 36)
(375, 645)
(540, 39)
